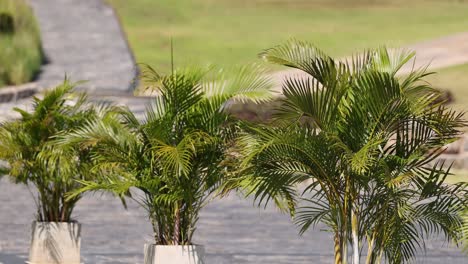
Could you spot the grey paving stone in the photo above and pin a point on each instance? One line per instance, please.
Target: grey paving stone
(84, 40)
(232, 230)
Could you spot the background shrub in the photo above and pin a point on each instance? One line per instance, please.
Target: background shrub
(20, 46)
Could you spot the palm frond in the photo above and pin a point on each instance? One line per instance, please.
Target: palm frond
(247, 83)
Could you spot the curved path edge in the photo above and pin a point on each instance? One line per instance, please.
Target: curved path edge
(84, 40)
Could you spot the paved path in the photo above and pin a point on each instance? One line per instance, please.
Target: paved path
(136, 104)
(232, 230)
(83, 39)
(442, 52)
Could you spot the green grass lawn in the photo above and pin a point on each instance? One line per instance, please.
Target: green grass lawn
(233, 31)
(455, 80)
(20, 47)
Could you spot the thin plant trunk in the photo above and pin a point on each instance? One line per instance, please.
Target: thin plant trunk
(64, 210)
(344, 245)
(370, 249)
(338, 249)
(345, 226)
(355, 238)
(176, 226)
(379, 258)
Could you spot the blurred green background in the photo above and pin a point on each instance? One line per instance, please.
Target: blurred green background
(20, 46)
(227, 32)
(234, 31)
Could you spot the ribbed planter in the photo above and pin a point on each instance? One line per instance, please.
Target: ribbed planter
(157, 254)
(55, 243)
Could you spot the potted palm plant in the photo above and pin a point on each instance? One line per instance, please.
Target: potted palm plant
(174, 157)
(25, 146)
(363, 142)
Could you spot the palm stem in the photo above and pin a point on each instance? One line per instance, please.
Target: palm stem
(338, 249)
(176, 226)
(370, 249)
(355, 238)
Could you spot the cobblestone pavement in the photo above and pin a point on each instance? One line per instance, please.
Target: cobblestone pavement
(231, 229)
(83, 39)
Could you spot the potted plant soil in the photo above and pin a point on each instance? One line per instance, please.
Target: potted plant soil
(26, 146)
(175, 156)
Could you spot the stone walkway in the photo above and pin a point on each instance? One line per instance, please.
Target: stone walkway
(232, 230)
(442, 52)
(83, 39)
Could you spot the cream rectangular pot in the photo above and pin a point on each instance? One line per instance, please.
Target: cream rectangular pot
(55, 243)
(158, 254)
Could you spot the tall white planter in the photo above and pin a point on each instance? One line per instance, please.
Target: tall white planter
(157, 254)
(55, 243)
